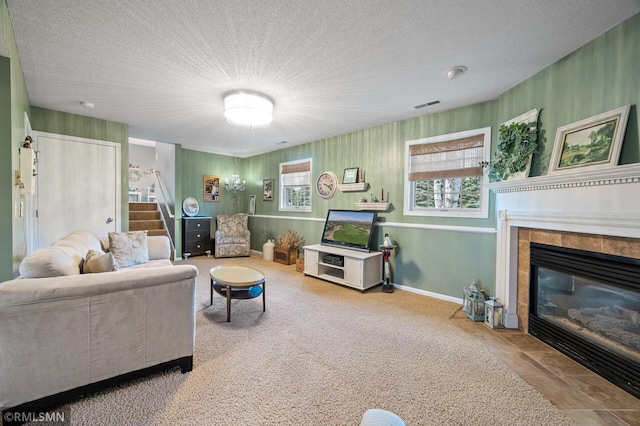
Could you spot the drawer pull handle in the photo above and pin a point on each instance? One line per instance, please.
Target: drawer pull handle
(198, 225)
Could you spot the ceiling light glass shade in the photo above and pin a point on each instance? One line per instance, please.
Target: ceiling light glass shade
(248, 109)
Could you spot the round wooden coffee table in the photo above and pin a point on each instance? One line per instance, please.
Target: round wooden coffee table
(237, 282)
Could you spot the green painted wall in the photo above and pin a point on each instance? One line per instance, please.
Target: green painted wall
(598, 77)
(7, 167)
(193, 166)
(13, 105)
(601, 76)
(427, 259)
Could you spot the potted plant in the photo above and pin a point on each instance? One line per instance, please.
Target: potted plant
(516, 144)
(287, 246)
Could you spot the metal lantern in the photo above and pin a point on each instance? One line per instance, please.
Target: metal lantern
(474, 302)
(494, 313)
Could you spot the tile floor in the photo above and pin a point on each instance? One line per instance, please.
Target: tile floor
(586, 397)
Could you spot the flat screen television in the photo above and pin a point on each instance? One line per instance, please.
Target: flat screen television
(349, 229)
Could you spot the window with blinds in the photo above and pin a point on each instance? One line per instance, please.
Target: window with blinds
(445, 177)
(295, 185)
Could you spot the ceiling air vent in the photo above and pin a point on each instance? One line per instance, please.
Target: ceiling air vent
(436, 102)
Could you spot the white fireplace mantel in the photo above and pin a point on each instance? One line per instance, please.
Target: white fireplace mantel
(602, 202)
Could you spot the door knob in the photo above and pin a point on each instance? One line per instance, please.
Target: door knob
(109, 220)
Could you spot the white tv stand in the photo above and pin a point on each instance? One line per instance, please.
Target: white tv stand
(361, 270)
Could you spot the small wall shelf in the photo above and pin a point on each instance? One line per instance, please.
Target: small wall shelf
(350, 187)
(373, 206)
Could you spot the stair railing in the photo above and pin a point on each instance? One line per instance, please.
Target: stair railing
(167, 210)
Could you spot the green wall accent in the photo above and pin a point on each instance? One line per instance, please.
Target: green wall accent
(193, 166)
(379, 151)
(14, 104)
(7, 168)
(600, 76)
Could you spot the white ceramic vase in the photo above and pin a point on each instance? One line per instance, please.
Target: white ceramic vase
(267, 250)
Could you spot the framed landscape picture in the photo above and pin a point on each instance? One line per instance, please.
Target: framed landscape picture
(211, 186)
(592, 143)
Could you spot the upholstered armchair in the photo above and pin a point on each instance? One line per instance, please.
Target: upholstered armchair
(233, 238)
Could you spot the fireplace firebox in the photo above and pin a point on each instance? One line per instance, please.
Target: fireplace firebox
(587, 306)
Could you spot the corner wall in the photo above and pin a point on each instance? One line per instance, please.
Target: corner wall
(13, 105)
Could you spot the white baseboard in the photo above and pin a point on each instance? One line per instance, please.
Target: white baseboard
(430, 294)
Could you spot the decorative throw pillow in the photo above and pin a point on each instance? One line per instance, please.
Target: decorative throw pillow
(128, 248)
(96, 262)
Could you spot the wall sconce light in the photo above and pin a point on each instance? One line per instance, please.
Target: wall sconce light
(235, 184)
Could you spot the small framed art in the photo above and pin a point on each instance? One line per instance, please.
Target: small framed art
(252, 204)
(592, 143)
(267, 190)
(211, 185)
(350, 175)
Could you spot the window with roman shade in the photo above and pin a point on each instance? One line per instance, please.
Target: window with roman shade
(444, 174)
(295, 185)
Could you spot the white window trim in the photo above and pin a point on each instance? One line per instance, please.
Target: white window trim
(483, 211)
(282, 200)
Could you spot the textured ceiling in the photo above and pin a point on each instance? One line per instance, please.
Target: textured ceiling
(331, 66)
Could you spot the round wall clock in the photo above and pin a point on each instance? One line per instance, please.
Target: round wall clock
(327, 184)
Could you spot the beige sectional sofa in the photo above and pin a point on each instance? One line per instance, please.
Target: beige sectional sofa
(64, 332)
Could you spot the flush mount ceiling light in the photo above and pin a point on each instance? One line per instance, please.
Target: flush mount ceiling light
(248, 109)
(456, 72)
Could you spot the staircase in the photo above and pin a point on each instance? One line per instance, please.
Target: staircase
(146, 217)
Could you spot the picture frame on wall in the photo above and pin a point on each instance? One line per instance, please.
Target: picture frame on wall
(267, 189)
(589, 144)
(252, 204)
(350, 175)
(211, 188)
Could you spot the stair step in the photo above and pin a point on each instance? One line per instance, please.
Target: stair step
(141, 225)
(158, 232)
(144, 215)
(143, 206)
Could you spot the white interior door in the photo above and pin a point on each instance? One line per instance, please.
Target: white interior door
(78, 186)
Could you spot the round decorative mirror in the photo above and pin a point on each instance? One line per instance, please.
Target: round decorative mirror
(190, 206)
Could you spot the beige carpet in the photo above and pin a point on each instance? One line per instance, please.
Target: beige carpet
(322, 354)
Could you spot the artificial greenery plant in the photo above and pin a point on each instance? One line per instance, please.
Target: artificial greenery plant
(516, 144)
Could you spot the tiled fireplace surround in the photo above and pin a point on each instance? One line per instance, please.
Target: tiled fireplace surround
(596, 210)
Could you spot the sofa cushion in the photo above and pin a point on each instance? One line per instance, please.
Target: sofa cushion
(98, 261)
(80, 242)
(52, 261)
(128, 248)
